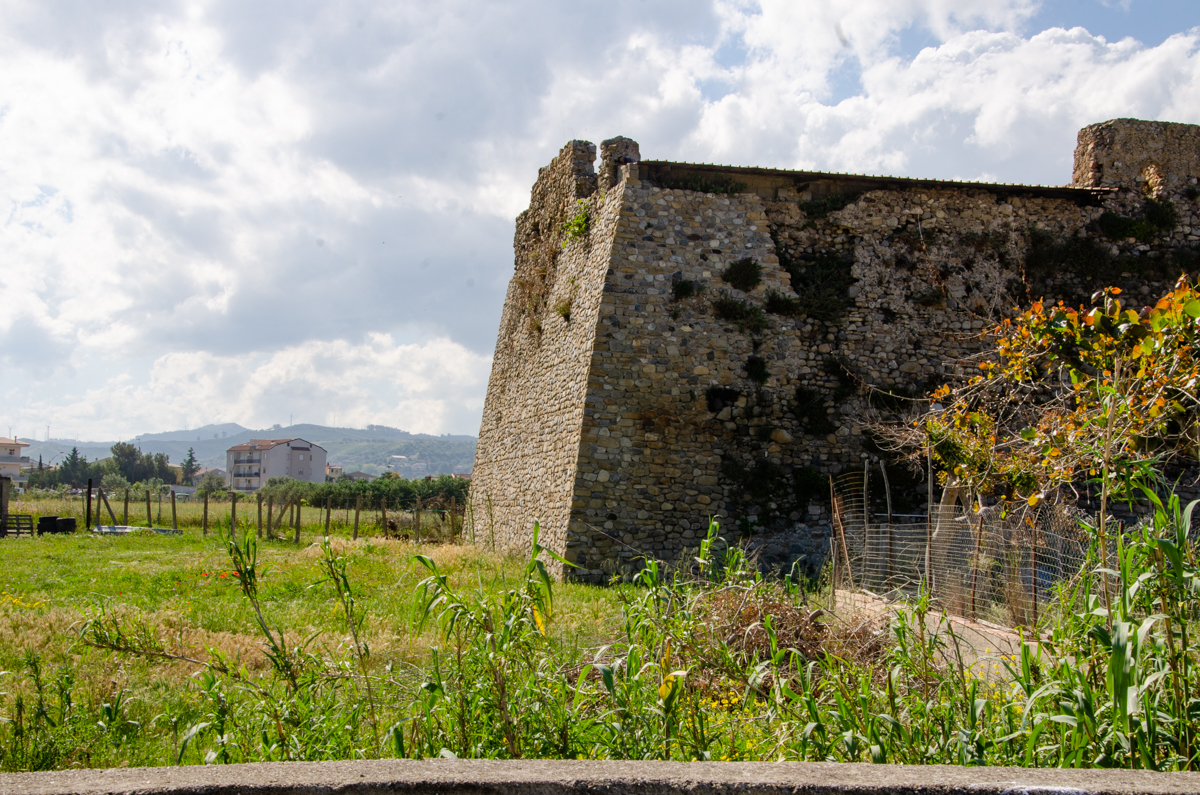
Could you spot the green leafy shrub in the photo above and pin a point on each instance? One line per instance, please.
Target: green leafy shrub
(743, 274)
(745, 315)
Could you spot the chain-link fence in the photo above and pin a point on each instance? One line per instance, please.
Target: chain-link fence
(1000, 566)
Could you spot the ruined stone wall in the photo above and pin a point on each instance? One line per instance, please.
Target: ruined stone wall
(1140, 155)
(525, 464)
(676, 396)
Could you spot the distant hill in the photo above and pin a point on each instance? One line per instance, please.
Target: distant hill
(370, 450)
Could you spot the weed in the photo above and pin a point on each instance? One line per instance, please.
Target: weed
(756, 370)
(839, 368)
(720, 397)
(820, 208)
(779, 304)
(685, 288)
(810, 409)
(576, 227)
(746, 316)
(821, 284)
(809, 484)
(1155, 217)
(1046, 256)
(743, 274)
(563, 309)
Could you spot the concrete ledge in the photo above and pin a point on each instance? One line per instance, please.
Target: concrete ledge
(597, 778)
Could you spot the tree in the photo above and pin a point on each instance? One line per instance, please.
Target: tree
(161, 464)
(129, 461)
(190, 466)
(211, 483)
(73, 471)
(1102, 394)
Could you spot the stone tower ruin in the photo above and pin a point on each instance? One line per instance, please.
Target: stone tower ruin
(682, 341)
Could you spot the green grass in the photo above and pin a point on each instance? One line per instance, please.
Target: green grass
(185, 587)
(381, 647)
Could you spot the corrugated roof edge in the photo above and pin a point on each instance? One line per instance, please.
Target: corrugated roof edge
(1062, 190)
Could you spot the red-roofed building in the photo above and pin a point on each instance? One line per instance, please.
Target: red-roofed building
(249, 465)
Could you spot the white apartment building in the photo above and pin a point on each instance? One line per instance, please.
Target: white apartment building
(249, 465)
(11, 459)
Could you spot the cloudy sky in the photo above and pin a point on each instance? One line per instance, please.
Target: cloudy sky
(227, 211)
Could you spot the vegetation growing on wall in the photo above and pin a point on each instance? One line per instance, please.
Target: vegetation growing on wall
(718, 184)
(809, 407)
(777, 303)
(1156, 216)
(821, 284)
(756, 370)
(682, 289)
(820, 208)
(744, 274)
(576, 227)
(721, 397)
(746, 316)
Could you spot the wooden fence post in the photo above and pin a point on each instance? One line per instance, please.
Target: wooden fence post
(417, 522)
(125, 517)
(259, 495)
(233, 495)
(357, 509)
(270, 508)
(174, 515)
(149, 510)
(204, 521)
(299, 518)
(103, 499)
(87, 521)
(328, 508)
(383, 507)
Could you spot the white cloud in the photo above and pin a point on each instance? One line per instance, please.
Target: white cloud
(200, 201)
(432, 387)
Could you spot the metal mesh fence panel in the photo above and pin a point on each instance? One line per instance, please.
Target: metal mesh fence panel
(999, 566)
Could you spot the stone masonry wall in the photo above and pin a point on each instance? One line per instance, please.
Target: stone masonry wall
(651, 410)
(525, 465)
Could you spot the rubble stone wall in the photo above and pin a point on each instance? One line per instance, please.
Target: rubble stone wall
(677, 392)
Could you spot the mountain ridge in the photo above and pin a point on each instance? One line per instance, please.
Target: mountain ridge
(371, 449)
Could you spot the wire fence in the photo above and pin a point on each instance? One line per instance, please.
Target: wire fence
(999, 566)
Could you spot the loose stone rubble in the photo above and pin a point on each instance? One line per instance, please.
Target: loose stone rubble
(635, 393)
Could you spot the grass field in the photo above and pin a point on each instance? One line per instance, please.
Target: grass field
(152, 649)
(184, 585)
(189, 512)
